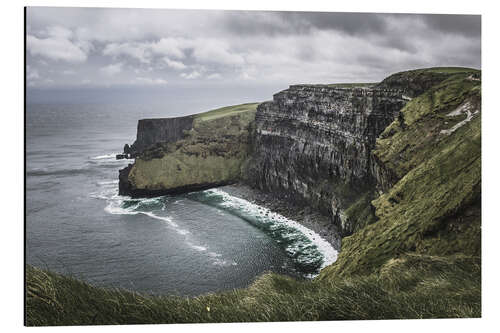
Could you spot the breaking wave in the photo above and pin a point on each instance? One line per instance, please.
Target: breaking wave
(102, 157)
(155, 208)
(108, 161)
(309, 251)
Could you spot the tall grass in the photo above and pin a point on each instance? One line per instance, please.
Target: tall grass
(409, 287)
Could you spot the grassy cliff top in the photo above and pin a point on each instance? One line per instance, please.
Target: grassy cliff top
(411, 74)
(351, 85)
(226, 111)
(337, 85)
(411, 286)
(217, 113)
(433, 206)
(416, 82)
(447, 70)
(211, 153)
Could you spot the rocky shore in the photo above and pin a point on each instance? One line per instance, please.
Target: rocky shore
(314, 143)
(302, 214)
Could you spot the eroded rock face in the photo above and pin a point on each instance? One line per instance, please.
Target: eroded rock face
(210, 154)
(161, 130)
(313, 143)
(124, 186)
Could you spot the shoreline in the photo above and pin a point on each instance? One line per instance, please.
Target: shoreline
(303, 215)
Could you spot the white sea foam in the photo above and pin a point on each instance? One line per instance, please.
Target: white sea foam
(199, 248)
(115, 205)
(224, 263)
(109, 182)
(277, 221)
(103, 157)
(166, 219)
(287, 229)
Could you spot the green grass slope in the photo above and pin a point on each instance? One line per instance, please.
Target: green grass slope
(418, 81)
(409, 287)
(226, 111)
(434, 207)
(447, 70)
(417, 256)
(213, 152)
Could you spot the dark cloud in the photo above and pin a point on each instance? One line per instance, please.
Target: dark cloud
(272, 23)
(372, 26)
(466, 25)
(399, 42)
(349, 23)
(84, 47)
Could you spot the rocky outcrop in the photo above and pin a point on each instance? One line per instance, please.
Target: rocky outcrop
(160, 130)
(189, 153)
(313, 144)
(124, 186)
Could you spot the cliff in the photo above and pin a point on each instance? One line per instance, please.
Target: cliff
(152, 131)
(415, 187)
(175, 155)
(396, 165)
(428, 171)
(313, 143)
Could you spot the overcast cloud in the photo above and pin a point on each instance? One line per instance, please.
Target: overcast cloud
(78, 48)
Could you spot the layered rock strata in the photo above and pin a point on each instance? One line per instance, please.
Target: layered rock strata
(313, 144)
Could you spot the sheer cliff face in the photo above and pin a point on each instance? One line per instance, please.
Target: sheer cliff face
(162, 130)
(314, 142)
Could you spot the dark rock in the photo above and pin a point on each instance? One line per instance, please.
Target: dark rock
(124, 186)
(161, 130)
(313, 144)
(121, 156)
(126, 149)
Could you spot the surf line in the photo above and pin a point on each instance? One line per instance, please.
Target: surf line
(115, 206)
(324, 248)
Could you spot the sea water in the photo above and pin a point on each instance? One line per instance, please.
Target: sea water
(76, 223)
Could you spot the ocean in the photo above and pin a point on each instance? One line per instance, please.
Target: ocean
(191, 244)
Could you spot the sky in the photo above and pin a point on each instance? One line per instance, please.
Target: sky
(92, 54)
